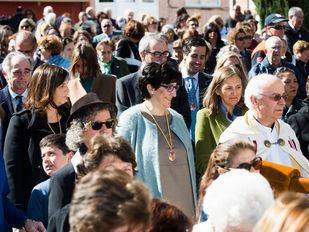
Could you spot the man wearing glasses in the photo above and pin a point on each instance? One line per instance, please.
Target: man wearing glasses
(152, 48)
(272, 61)
(274, 139)
(274, 26)
(107, 32)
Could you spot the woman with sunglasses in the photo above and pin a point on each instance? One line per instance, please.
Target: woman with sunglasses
(222, 104)
(237, 36)
(231, 154)
(160, 138)
(46, 112)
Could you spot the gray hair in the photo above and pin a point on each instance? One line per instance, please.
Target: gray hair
(74, 135)
(271, 40)
(23, 36)
(237, 200)
(255, 87)
(227, 48)
(144, 43)
(6, 64)
(50, 18)
(294, 11)
(47, 10)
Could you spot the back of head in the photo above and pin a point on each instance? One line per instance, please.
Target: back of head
(109, 200)
(289, 213)
(166, 217)
(237, 199)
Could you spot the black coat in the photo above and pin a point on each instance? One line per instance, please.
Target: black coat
(128, 94)
(22, 153)
(59, 222)
(300, 124)
(61, 187)
(293, 36)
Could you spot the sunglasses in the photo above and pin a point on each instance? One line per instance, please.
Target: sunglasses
(243, 38)
(25, 26)
(96, 125)
(278, 27)
(256, 163)
(276, 97)
(194, 25)
(159, 54)
(107, 25)
(170, 88)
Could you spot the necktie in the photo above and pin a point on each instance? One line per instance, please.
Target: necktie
(193, 104)
(19, 101)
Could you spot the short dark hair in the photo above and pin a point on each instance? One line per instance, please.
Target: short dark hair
(103, 145)
(57, 140)
(283, 70)
(193, 42)
(156, 74)
(166, 217)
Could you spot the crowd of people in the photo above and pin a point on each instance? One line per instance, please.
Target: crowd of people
(139, 125)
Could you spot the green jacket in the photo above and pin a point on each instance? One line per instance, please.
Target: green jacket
(208, 129)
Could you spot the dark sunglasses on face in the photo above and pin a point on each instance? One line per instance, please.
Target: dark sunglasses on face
(96, 125)
(159, 54)
(107, 25)
(170, 88)
(243, 38)
(278, 27)
(276, 97)
(256, 163)
(25, 26)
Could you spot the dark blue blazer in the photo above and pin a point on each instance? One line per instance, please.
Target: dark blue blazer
(7, 106)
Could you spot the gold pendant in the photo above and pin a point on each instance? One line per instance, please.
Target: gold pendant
(172, 155)
(192, 106)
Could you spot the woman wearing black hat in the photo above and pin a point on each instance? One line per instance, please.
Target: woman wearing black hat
(160, 138)
(45, 113)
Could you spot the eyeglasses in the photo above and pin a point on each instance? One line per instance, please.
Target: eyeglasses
(96, 125)
(107, 25)
(276, 97)
(170, 88)
(278, 27)
(194, 25)
(243, 38)
(159, 54)
(25, 27)
(256, 163)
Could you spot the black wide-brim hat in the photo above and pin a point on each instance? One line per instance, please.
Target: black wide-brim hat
(81, 105)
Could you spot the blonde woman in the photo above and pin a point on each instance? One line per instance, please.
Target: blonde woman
(224, 93)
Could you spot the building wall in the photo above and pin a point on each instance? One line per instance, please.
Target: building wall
(168, 8)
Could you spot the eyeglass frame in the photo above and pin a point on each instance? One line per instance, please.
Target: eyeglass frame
(256, 163)
(170, 88)
(278, 27)
(275, 96)
(158, 54)
(113, 122)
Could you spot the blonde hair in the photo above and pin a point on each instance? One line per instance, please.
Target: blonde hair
(300, 46)
(227, 55)
(211, 100)
(289, 213)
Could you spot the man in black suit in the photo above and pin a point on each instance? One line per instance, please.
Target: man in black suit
(195, 80)
(16, 70)
(152, 48)
(89, 117)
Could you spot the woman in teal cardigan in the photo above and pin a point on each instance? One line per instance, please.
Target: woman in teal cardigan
(160, 139)
(221, 102)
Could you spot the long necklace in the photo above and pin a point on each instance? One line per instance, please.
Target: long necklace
(169, 142)
(59, 124)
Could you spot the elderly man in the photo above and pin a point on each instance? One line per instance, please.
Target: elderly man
(272, 61)
(107, 32)
(152, 48)
(275, 140)
(295, 30)
(274, 26)
(16, 70)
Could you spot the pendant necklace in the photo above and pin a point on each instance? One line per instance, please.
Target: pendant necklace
(169, 142)
(59, 124)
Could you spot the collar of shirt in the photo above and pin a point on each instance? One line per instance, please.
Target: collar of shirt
(76, 160)
(184, 73)
(224, 111)
(13, 94)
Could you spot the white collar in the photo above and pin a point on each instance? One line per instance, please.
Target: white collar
(185, 74)
(13, 94)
